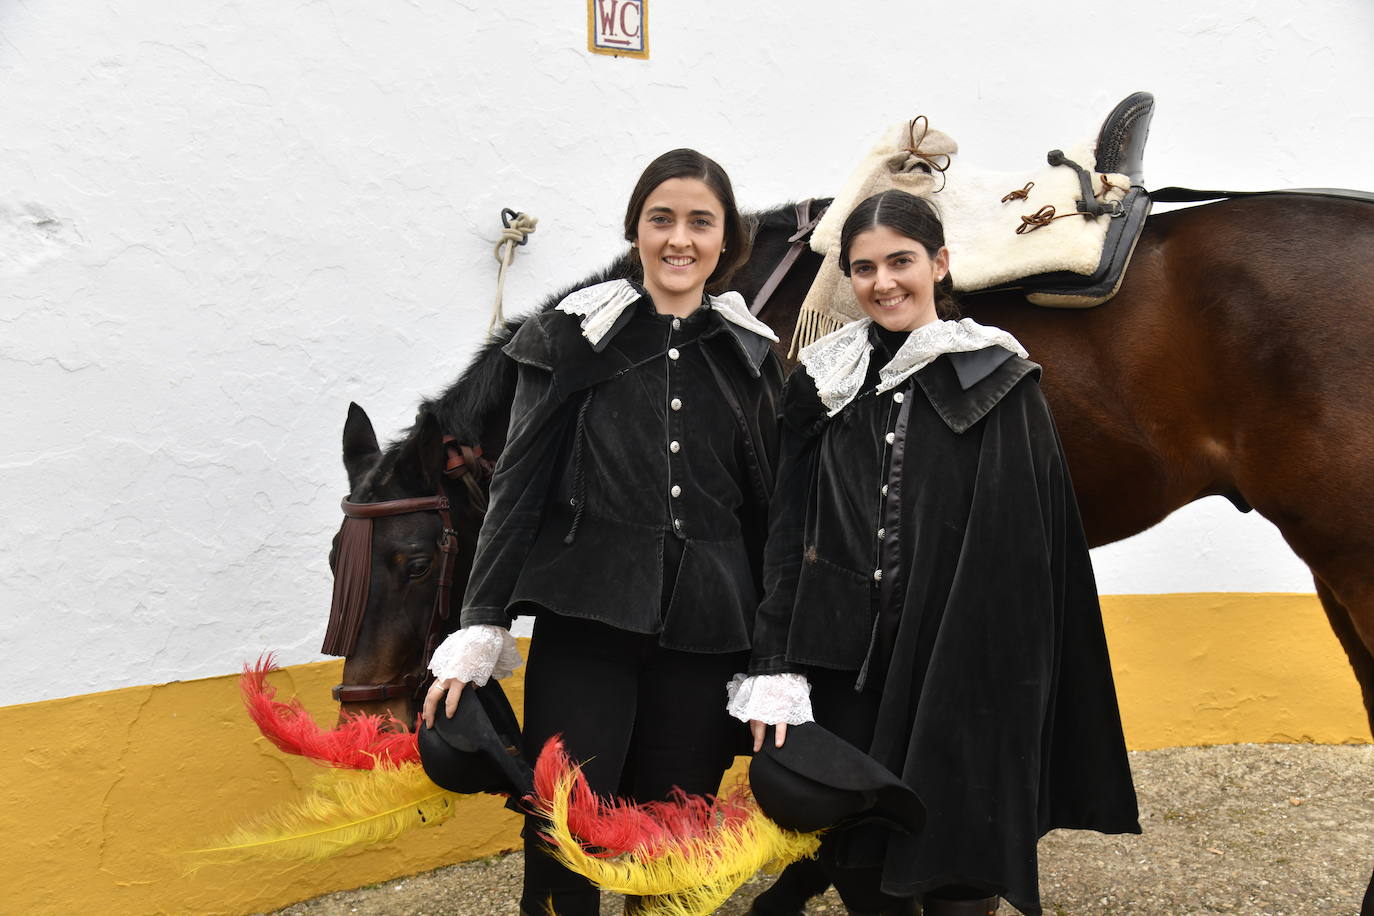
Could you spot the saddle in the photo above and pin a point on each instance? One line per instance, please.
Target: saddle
(1062, 235)
(1120, 149)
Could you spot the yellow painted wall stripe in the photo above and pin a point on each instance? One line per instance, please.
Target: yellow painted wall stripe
(1227, 668)
(99, 794)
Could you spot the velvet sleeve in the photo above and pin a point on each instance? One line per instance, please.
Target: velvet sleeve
(520, 485)
(763, 456)
(799, 428)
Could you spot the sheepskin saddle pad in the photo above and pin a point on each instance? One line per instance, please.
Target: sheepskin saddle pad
(1062, 231)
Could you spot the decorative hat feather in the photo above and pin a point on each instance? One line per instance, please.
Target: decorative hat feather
(685, 856)
(360, 742)
(345, 809)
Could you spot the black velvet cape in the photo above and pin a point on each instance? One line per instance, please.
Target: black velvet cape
(983, 633)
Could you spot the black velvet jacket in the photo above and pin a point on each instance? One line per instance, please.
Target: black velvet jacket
(946, 567)
(634, 486)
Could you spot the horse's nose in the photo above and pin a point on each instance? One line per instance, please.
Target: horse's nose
(396, 714)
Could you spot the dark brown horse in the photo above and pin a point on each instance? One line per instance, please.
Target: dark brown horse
(1237, 359)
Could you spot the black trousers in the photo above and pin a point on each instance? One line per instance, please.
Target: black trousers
(640, 718)
(852, 716)
(852, 858)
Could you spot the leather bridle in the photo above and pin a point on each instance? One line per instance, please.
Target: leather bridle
(352, 573)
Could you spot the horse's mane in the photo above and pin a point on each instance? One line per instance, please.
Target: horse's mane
(473, 408)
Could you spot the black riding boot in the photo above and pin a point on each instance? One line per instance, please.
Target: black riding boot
(907, 907)
(950, 901)
(798, 883)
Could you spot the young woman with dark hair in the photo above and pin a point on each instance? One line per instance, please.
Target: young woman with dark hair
(929, 592)
(628, 513)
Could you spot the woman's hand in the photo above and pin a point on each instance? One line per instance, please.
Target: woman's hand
(453, 687)
(769, 699)
(472, 655)
(758, 728)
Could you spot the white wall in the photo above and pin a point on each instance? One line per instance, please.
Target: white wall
(221, 221)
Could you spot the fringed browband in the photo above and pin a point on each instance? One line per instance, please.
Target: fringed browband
(353, 565)
(352, 578)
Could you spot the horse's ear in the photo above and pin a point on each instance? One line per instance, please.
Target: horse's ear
(422, 455)
(360, 450)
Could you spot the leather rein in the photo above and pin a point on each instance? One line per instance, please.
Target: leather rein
(353, 571)
(806, 224)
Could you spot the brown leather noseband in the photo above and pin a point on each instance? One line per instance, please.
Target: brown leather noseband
(352, 575)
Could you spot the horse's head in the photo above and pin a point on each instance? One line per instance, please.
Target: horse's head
(406, 521)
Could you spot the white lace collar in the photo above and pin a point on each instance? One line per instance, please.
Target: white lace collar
(838, 362)
(599, 306)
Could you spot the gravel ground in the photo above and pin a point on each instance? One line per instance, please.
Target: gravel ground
(1262, 829)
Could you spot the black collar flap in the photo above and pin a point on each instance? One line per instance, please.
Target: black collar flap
(963, 387)
(751, 348)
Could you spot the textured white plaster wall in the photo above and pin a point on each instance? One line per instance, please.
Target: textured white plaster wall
(221, 221)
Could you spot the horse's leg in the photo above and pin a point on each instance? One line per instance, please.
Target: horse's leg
(1357, 649)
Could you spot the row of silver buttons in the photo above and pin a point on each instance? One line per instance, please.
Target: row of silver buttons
(676, 404)
(890, 438)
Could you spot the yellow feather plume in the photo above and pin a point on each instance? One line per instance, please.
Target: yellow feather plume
(693, 877)
(345, 809)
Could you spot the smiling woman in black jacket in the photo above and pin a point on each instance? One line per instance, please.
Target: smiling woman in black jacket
(628, 514)
(929, 591)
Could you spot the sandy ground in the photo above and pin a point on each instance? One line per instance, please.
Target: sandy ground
(1262, 829)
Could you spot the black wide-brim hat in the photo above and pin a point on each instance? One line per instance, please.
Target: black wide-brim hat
(817, 780)
(478, 749)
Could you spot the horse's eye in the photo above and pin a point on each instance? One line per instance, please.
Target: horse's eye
(418, 567)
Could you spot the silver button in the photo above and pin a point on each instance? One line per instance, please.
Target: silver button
(672, 353)
(882, 533)
(674, 446)
(899, 397)
(877, 575)
(891, 438)
(677, 324)
(675, 403)
(676, 490)
(884, 489)
(677, 524)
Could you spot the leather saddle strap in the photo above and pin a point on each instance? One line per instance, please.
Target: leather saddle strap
(1174, 195)
(806, 223)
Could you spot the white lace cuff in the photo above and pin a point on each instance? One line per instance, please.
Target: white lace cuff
(770, 698)
(476, 653)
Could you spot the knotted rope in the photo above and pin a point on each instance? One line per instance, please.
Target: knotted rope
(518, 227)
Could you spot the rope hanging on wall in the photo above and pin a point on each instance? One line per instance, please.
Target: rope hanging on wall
(518, 227)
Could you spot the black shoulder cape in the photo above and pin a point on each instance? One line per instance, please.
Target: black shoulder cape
(965, 594)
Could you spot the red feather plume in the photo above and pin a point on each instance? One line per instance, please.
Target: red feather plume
(360, 742)
(614, 826)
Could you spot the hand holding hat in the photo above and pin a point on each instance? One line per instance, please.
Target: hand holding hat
(817, 780)
(477, 749)
(769, 699)
(472, 655)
